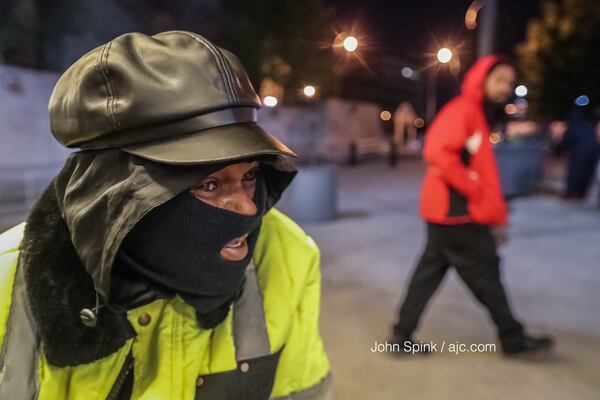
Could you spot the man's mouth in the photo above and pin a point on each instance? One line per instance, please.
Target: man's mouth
(237, 242)
(236, 249)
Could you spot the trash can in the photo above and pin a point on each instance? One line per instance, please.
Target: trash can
(520, 163)
(312, 195)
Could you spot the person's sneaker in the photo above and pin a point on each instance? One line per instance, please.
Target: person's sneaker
(404, 346)
(529, 347)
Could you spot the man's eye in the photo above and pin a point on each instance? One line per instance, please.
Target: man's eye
(207, 187)
(251, 175)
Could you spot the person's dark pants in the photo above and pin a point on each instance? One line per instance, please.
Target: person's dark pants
(470, 248)
(582, 168)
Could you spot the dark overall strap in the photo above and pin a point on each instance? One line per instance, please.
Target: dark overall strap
(256, 366)
(19, 354)
(252, 348)
(249, 326)
(254, 375)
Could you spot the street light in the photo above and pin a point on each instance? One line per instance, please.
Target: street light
(309, 91)
(444, 55)
(350, 44)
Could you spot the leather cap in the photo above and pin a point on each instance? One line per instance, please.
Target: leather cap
(173, 97)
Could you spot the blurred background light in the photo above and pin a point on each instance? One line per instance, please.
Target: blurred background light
(471, 15)
(510, 109)
(385, 115)
(309, 91)
(270, 101)
(582, 100)
(419, 122)
(521, 90)
(521, 102)
(495, 138)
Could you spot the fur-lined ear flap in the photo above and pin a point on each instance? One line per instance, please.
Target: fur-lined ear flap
(59, 287)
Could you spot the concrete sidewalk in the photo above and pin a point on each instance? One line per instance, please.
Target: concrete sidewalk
(550, 268)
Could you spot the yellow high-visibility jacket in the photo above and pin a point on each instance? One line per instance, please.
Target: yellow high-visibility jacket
(274, 324)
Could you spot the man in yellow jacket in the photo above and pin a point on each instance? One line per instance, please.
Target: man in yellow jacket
(154, 265)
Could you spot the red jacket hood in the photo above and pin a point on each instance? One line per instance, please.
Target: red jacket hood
(472, 84)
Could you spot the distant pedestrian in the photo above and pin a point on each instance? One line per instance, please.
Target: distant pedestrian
(461, 201)
(582, 142)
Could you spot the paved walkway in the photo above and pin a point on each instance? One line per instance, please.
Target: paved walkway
(550, 267)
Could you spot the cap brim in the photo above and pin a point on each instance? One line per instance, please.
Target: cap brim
(223, 143)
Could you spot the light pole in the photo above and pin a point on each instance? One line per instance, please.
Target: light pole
(443, 56)
(486, 34)
(487, 29)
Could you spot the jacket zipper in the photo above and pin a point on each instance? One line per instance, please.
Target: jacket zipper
(116, 389)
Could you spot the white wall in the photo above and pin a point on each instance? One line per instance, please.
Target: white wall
(29, 154)
(322, 130)
(25, 137)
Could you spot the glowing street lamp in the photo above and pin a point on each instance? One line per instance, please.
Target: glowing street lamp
(350, 44)
(309, 91)
(444, 55)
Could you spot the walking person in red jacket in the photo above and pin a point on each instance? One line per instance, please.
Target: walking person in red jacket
(461, 201)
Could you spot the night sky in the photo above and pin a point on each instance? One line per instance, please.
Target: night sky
(411, 29)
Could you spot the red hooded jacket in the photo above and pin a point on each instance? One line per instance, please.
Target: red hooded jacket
(462, 183)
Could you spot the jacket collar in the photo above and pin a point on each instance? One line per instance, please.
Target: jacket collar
(58, 288)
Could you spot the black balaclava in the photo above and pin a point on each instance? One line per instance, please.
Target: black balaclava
(177, 246)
